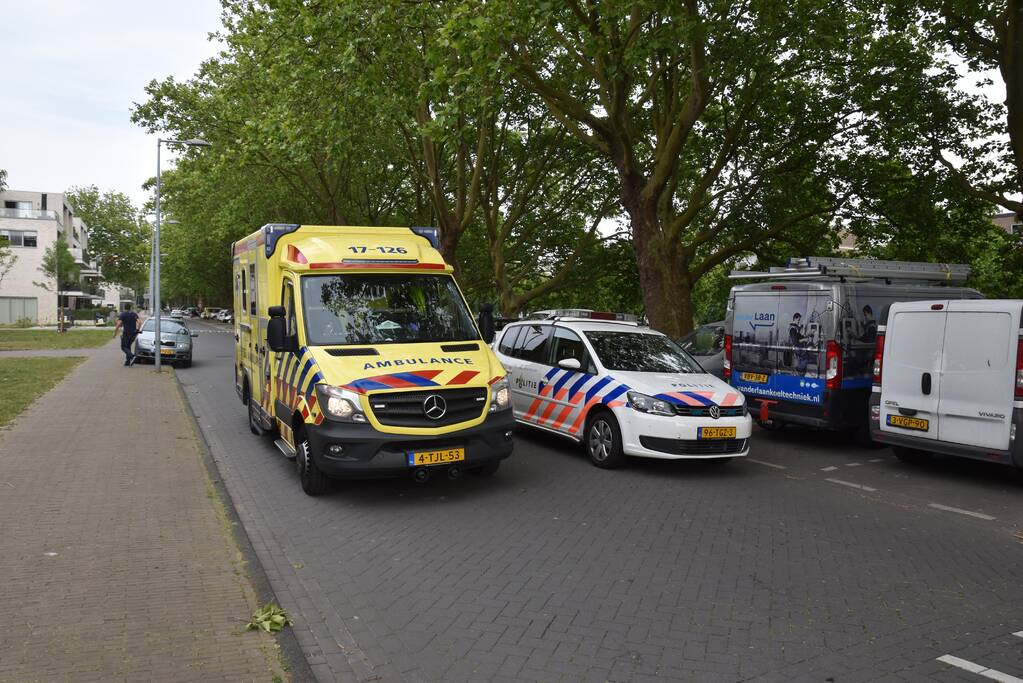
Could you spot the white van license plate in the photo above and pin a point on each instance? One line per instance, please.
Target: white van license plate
(917, 423)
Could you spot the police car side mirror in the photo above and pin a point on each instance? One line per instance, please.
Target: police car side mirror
(570, 364)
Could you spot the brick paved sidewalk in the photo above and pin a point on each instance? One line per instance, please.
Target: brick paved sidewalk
(116, 557)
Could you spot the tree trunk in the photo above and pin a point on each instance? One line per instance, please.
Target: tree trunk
(1011, 67)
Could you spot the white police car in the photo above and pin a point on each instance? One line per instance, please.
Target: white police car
(621, 389)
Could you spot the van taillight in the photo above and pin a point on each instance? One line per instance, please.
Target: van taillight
(726, 365)
(878, 359)
(833, 363)
(1019, 370)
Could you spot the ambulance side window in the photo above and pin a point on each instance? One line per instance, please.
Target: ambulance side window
(245, 290)
(252, 286)
(567, 344)
(288, 301)
(531, 344)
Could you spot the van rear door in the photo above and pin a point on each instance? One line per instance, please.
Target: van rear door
(911, 383)
(978, 373)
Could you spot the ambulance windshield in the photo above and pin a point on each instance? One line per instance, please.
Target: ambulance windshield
(384, 309)
(640, 352)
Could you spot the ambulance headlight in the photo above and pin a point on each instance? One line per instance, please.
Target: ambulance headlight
(649, 404)
(340, 404)
(501, 395)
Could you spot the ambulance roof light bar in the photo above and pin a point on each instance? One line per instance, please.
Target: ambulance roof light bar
(823, 266)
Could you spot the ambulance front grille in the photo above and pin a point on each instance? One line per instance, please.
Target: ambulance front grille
(406, 408)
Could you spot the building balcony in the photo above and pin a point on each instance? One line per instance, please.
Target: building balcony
(32, 214)
(83, 288)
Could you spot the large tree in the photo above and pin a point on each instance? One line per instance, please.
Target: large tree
(118, 236)
(727, 124)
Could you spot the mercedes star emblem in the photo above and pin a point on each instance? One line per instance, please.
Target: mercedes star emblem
(434, 407)
(715, 412)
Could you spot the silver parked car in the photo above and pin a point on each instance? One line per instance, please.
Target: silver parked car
(707, 343)
(175, 342)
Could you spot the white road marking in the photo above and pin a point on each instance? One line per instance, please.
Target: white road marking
(768, 464)
(1018, 634)
(876, 460)
(851, 485)
(948, 508)
(973, 668)
(828, 469)
(852, 464)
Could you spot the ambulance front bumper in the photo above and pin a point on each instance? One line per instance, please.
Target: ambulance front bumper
(679, 438)
(367, 453)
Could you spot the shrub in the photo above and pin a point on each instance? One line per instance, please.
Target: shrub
(24, 322)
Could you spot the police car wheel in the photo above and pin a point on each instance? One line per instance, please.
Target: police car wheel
(604, 441)
(314, 481)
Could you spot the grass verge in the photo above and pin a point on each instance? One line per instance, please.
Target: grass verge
(17, 340)
(23, 380)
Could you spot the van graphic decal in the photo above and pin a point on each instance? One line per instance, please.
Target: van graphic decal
(410, 380)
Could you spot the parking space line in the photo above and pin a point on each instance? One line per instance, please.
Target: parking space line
(966, 665)
(1018, 634)
(876, 460)
(768, 464)
(949, 508)
(829, 469)
(861, 487)
(852, 464)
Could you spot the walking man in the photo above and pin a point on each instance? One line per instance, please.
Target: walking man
(128, 323)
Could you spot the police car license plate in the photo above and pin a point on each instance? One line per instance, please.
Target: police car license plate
(755, 377)
(909, 422)
(715, 432)
(443, 457)
(166, 352)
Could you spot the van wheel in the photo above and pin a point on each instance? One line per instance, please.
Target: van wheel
(314, 481)
(604, 441)
(912, 456)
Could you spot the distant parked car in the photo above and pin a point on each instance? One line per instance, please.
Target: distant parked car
(707, 344)
(177, 314)
(226, 316)
(192, 312)
(175, 342)
(210, 312)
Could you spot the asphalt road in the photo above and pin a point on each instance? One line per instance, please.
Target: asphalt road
(812, 560)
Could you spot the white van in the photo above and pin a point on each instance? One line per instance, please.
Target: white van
(948, 378)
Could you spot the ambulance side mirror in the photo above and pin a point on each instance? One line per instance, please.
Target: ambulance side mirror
(277, 330)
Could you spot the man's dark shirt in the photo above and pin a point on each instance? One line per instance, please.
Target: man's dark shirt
(129, 323)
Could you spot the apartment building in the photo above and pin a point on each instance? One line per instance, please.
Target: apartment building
(30, 222)
(1009, 222)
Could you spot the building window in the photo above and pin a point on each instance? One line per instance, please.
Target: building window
(1016, 229)
(19, 238)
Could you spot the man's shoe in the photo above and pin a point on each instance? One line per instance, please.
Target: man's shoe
(127, 364)
(132, 361)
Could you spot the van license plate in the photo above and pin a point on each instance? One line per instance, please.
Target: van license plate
(443, 457)
(755, 377)
(909, 422)
(715, 432)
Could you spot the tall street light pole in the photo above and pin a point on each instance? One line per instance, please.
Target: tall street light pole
(155, 292)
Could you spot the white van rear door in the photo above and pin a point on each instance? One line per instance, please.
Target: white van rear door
(978, 373)
(911, 372)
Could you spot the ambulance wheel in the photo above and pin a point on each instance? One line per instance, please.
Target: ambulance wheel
(488, 470)
(910, 455)
(604, 441)
(254, 426)
(314, 481)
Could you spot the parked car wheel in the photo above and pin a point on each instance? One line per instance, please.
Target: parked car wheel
(604, 441)
(314, 481)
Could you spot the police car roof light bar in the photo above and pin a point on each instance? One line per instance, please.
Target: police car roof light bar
(829, 267)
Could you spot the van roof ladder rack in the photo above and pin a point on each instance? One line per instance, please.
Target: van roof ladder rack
(810, 267)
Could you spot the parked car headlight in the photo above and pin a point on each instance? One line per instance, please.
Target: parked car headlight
(500, 395)
(340, 404)
(182, 345)
(649, 404)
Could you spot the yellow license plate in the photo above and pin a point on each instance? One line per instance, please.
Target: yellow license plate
(715, 432)
(909, 422)
(166, 352)
(448, 455)
(755, 377)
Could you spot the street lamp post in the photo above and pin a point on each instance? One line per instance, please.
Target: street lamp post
(155, 291)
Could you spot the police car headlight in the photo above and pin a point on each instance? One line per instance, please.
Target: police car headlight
(500, 395)
(649, 404)
(340, 404)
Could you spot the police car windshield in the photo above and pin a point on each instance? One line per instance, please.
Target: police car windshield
(639, 352)
(384, 309)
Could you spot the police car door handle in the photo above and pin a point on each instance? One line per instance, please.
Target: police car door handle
(925, 383)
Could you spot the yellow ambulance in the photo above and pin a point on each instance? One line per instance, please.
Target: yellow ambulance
(356, 348)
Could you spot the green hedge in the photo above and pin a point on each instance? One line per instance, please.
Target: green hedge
(90, 313)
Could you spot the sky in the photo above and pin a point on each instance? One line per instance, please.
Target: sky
(70, 72)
